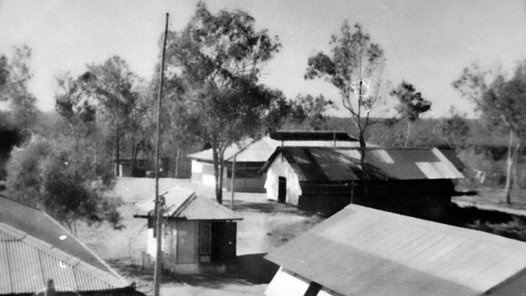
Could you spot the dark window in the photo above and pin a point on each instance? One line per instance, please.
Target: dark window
(205, 238)
(313, 289)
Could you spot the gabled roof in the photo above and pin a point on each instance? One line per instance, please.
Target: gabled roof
(363, 251)
(182, 203)
(259, 150)
(34, 248)
(326, 164)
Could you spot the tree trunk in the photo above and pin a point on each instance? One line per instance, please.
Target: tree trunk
(177, 157)
(219, 190)
(409, 125)
(512, 154)
(117, 150)
(135, 153)
(133, 158)
(365, 188)
(218, 173)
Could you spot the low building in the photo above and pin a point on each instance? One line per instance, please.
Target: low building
(250, 155)
(416, 181)
(141, 167)
(37, 252)
(198, 233)
(368, 252)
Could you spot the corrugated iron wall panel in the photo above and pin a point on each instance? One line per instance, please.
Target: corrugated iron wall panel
(26, 264)
(26, 274)
(5, 276)
(60, 271)
(87, 282)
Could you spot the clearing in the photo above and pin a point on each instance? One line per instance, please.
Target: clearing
(265, 225)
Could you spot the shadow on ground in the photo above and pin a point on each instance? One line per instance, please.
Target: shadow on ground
(254, 268)
(269, 207)
(247, 270)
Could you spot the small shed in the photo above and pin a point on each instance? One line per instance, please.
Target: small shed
(251, 154)
(198, 233)
(410, 181)
(363, 251)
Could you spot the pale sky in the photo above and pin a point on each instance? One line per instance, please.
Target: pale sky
(427, 43)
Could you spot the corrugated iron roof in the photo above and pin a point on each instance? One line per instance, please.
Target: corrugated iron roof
(182, 203)
(260, 150)
(38, 224)
(26, 263)
(363, 251)
(325, 164)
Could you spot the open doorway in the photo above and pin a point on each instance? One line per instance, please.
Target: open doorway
(282, 190)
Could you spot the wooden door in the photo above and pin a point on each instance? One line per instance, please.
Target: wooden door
(224, 235)
(282, 190)
(187, 242)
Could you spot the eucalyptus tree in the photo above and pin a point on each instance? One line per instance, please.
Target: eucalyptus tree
(501, 100)
(411, 105)
(15, 75)
(354, 66)
(213, 70)
(44, 176)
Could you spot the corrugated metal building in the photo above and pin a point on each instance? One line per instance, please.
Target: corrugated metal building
(198, 233)
(363, 251)
(410, 181)
(251, 155)
(34, 248)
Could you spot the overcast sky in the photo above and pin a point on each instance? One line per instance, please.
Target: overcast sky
(427, 43)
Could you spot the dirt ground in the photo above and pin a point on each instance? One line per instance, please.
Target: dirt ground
(493, 199)
(265, 225)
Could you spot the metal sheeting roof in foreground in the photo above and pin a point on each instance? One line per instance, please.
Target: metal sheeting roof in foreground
(363, 251)
(183, 203)
(38, 224)
(26, 263)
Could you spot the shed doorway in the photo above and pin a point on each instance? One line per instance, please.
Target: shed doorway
(282, 190)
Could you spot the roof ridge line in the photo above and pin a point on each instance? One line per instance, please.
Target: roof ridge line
(185, 204)
(110, 269)
(254, 140)
(20, 203)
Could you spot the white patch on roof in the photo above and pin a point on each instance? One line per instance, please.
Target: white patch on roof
(448, 166)
(383, 155)
(351, 153)
(432, 170)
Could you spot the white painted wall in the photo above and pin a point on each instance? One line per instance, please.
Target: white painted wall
(285, 283)
(197, 166)
(169, 241)
(281, 168)
(208, 180)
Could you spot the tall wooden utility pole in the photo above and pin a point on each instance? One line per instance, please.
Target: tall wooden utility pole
(158, 205)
